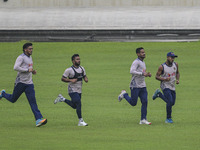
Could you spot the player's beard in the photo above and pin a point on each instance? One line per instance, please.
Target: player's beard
(77, 64)
(142, 57)
(30, 53)
(169, 62)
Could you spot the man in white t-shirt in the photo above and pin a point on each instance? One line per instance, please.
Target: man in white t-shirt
(168, 74)
(138, 85)
(73, 76)
(24, 83)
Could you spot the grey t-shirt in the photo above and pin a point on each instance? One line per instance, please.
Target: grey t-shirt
(77, 86)
(169, 72)
(137, 69)
(22, 64)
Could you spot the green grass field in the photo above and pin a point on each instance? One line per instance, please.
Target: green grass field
(112, 125)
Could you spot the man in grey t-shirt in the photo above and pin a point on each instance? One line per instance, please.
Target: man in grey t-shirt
(24, 83)
(138, 85)
(168, 74)
(73, 76)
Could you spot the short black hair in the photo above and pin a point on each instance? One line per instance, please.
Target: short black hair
(26, 45)
(75, 55)
(139, 49)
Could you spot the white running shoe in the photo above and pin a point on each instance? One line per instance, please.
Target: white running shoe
(144, 121)
(60, 98)
(121, 95)
(82, 123)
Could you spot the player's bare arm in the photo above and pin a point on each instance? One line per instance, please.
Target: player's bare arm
(158, 75)
(64, 79)
(85, 79)
(177, 75)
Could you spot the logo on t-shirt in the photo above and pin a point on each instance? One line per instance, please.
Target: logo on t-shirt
(171, 75)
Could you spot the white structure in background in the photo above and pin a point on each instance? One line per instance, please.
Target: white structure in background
(99, 14)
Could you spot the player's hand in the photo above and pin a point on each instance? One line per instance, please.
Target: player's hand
(34, 72)
(30, 70)
(177, 81)
(145, 74)
(74, 80)
(149, 74)
(167, 79)
(85, 79)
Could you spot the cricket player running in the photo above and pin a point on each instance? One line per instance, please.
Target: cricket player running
(74, 76)
(138, 85)
(168, 74)
(24, 83)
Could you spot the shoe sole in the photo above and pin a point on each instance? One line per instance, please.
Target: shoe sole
(146, 124)
(43, 123)
(82, 125)
(120, 99)
(154, 98)
(56, 101)
(1, 93)
(1, 96)
(169, 122)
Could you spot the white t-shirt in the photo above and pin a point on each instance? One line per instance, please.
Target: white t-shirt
(138, 67)
(22, 64)
(69, 73)
(169, 71)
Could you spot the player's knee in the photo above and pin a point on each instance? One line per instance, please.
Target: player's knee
(77, 104)
(173, 104)
(133, 103)
(74, 107)
(13, 100)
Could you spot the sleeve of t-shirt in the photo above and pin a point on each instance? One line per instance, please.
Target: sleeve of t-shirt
(133, 69)
(66, 73)
(18, 63)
